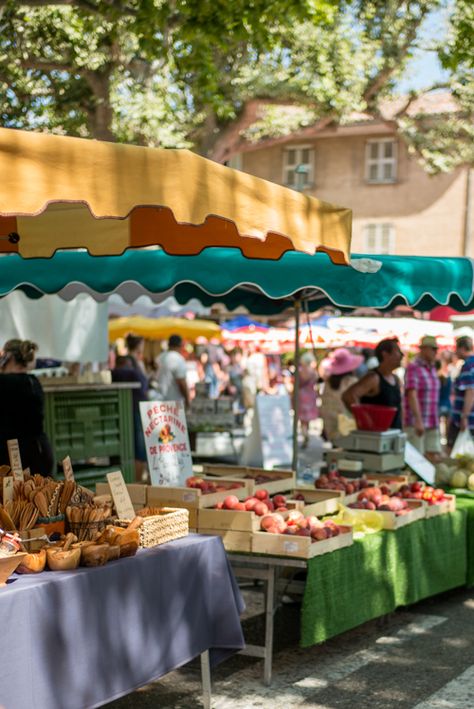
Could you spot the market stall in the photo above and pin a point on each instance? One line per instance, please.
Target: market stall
(86, 637)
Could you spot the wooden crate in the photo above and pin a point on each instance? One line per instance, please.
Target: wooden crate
(190, 497)
(276, 480)
(136, 491)
(236, 520)
(393, 521)
(343, 498)
(318, 502)
(301, 547)
(394, 482)
(225, 471)
(442, 508)
(233, 540)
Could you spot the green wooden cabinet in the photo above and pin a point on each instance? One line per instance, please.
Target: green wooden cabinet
(89, 423)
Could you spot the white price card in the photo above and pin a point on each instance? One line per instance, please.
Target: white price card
(7, 489)
(67, 469)
(419, 464)
(15, 459)
(120, 495)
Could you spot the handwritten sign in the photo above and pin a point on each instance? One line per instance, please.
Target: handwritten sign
(167, 442)
(120, 495)
(67, 469)
(419, 464)
(15, 459)
(7, 489)
(270, 443)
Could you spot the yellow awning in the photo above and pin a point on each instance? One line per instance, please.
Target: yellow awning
(59, 192)
(162, 328)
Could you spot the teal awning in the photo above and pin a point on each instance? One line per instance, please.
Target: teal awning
(263, 287)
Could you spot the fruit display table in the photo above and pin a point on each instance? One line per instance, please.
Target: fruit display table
(79, 639)
(381, 572)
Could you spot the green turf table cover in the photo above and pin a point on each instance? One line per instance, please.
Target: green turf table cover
(466, 502)
(380, 572)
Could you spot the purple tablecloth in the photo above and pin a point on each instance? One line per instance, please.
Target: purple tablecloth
(77, 639)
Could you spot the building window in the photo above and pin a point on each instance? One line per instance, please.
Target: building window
(381, 161)
(379, 239)
(298, 167)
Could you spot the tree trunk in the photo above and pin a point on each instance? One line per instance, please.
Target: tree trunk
(100, 111)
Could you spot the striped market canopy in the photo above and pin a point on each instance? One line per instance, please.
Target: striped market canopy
(220, 275)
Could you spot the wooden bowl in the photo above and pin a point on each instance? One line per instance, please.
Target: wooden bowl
(32, 563)
(114, 552)
(8, 564)
(95, 555)
(60, 560)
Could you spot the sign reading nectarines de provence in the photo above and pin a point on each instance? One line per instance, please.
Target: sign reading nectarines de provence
(167, 442)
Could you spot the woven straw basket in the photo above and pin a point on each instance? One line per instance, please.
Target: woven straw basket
(170, 523)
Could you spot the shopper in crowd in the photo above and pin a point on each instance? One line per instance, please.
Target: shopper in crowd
(422, 399)
(307, 405)
(235, 374)
(171, 381)
(125, 370)
(340, 373)
(462, 415)
(257, 369)
(22, 409)
(209, 375)
(380, 386)
(444, 367)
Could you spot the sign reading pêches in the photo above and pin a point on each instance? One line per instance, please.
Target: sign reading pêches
(167, 442)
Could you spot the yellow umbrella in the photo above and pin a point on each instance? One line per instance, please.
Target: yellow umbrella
(161, 328)
(59, 192)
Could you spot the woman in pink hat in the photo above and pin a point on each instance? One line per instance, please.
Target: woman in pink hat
(339, 375)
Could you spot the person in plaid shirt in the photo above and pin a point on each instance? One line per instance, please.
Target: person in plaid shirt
(462, 414)
(422, 400)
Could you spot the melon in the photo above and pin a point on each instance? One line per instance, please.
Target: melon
(443, 473)
(458, 478)
(470, 482)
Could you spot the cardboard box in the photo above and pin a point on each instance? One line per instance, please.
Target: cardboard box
(232, 540)
(318, 502)
(191, 497)
(393, 521)
(301, 547)
(236, 520)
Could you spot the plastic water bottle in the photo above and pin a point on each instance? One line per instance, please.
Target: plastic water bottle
(306, 476)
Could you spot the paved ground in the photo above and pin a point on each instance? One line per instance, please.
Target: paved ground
(421, 657)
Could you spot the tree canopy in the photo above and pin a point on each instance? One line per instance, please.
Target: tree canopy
(181, 73)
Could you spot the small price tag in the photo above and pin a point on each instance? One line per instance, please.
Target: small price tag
(189, 496)
(67, 469)
(120, 495)
(7, 489)
(290, 546)
(15, 459)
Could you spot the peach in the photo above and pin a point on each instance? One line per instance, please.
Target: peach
(260, 509)
(350, 489)
(193, 481)
(299, 496)
(261, 495)
(295, 516)
(250, 503)
(279, 500)
(303, 532)
(240, 506)
(270, 505)
(281, 509)
(230, 502)
(267, 522)
(219, 506)
(319, 533)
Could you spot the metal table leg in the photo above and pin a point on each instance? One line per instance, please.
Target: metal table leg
(206, 679)
(269, 619)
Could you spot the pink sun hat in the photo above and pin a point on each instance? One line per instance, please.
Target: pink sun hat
(341, 361)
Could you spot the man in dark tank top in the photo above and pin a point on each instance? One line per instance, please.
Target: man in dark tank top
(380, 386)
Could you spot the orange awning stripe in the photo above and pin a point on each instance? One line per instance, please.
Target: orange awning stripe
(106, 197)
